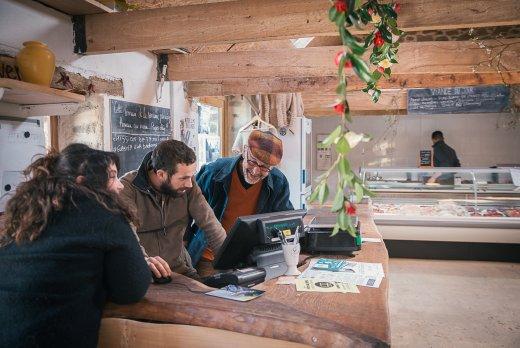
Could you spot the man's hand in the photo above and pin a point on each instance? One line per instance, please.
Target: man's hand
(433, 178)
(159, 267)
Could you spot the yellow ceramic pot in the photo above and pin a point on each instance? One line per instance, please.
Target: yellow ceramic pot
(36, 63)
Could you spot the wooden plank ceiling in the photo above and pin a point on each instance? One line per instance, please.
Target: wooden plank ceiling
(243, 47)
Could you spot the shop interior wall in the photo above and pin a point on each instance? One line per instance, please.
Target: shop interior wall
(480, 140)
(25, 20)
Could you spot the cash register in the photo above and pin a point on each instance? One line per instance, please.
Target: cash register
(252, 251)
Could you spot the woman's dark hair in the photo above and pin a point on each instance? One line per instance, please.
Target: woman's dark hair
(169, 153)
(51, 185)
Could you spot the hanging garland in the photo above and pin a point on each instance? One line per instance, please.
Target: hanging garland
(384, 40)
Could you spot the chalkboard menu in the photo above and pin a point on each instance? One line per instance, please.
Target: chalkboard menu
(459, 100)
(425, 158)
(136, 130)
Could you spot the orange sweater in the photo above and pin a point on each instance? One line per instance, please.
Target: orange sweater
(241, 201)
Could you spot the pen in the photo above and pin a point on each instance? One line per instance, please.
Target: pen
(282, 237)
(296, 235)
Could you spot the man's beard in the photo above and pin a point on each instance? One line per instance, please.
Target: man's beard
(248, 175)
(166, 189)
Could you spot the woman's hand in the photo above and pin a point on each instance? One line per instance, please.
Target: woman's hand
(159, 267)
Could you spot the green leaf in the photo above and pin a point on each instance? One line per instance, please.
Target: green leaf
(352, 230)
(340, 19)
(363, 14)
(338, 201)
(340, 90)
(376, 95)
(321, 177)
(376, 75)
(342, 221)
(347, 116)
(358, 188)
(343, 167)
(351, 6)
(335, 230)
(348, 179)
(368, 193)
(333, 13)
(369, 39)
(342, 146)
(324, 193)
(387, 36)
(314, 194)
(356, 47)
(332, 136)
(391, 22)
(361, 68)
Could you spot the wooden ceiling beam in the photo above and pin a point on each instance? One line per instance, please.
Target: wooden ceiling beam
(321, 112)
(149, 4)
(253, 20)
(329, 83)
(390, 100)
(439, 57)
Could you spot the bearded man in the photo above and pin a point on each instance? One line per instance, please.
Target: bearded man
(238, 186)
(163, 195)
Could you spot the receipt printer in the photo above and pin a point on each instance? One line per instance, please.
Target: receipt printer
(318, 237)
(247, 277)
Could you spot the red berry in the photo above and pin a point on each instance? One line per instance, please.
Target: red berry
(350, 209)
(370, 11)
(348, 64)
(338, 57)
(378, 41)
(340, 108)
(397, 7)
(341, 5)
(381, 69)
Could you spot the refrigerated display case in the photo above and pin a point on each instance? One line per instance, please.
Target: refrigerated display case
(469, 205)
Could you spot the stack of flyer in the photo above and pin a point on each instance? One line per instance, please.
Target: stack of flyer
(344, 271)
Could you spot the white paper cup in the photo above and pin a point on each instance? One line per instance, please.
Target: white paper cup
(291, 253)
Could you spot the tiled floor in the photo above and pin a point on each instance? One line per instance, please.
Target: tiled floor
(436, 303)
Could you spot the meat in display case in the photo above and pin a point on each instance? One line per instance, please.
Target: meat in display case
(469, 205)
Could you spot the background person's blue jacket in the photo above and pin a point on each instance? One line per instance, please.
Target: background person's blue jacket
(214, 179)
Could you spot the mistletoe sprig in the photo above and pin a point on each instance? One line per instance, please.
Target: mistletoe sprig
(384, 40)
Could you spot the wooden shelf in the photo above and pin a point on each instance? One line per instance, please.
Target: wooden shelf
(23, 93)
(22, 99)
(80, 7)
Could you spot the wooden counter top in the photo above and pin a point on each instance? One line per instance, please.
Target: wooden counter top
(282, 313)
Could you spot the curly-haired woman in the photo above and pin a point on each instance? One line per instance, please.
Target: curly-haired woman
(66, 248)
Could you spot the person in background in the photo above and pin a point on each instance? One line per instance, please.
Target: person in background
(237, 186)
(163, 194)
(66, 248)
(443, 156)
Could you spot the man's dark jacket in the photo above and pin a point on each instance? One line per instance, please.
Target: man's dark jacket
(444, 155)
(214, 180)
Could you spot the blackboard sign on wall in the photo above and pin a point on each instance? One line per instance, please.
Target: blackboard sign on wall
(458, 100)
(136, 130)
(425, 158)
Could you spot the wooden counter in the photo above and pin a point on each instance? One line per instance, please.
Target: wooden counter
(282, 314)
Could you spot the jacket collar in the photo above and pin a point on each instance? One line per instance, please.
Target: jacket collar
(141, 179)
(224, 175)
(439, 143)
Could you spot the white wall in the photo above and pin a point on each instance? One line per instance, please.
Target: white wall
(480, 140)
(26, 20)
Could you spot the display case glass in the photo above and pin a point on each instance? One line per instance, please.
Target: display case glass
(478, 198)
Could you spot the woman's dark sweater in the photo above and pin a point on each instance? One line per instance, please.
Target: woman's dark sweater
(52, 290)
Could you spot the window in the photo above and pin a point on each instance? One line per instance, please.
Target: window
(209, 139)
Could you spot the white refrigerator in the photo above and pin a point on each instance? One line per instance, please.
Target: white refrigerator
(297, 160)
